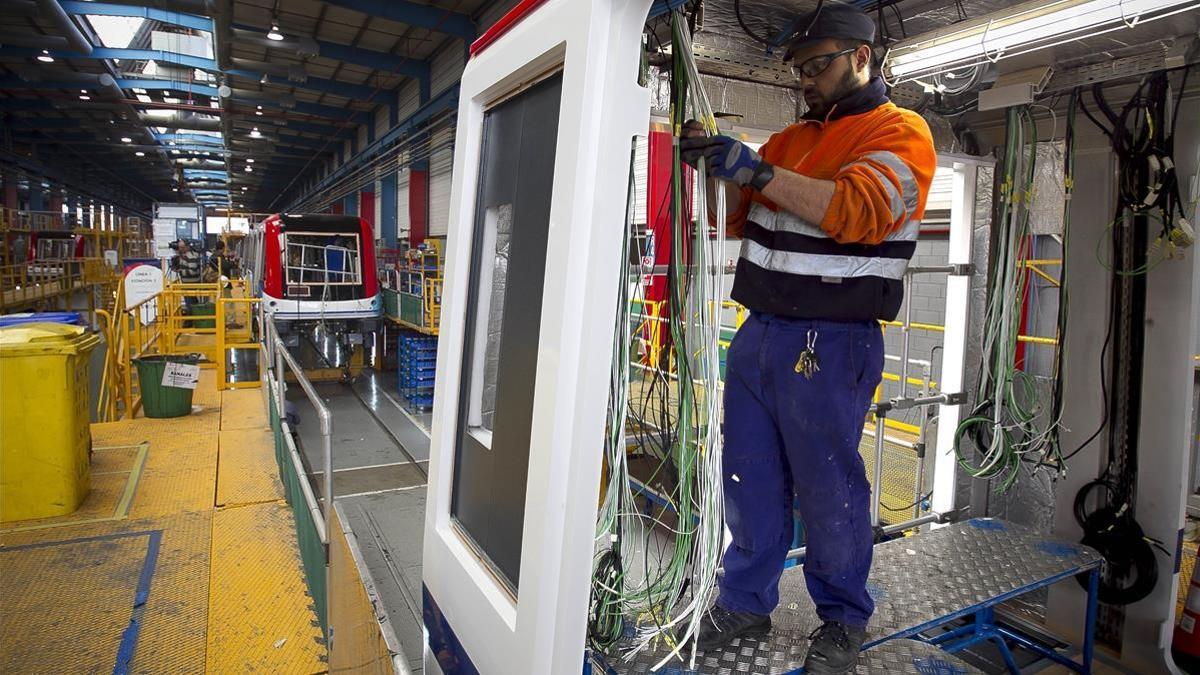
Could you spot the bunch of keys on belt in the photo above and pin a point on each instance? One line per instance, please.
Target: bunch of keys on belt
(807, 364)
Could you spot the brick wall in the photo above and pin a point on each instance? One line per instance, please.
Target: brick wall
(928, 297)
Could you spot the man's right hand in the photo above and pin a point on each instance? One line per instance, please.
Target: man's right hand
(693, 142)
(693, 129)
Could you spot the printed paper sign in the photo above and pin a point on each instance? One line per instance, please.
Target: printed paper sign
(142, 282)
(181, 375)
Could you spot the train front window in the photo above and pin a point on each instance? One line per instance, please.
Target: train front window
(322, 259)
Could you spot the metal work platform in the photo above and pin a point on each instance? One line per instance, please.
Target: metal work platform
(919, 583)
(182, 559)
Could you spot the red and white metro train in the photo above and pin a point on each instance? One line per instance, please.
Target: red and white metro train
(315, 268)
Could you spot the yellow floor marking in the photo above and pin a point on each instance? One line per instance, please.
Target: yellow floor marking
(105, 486)
(259, 615)
(246, 469)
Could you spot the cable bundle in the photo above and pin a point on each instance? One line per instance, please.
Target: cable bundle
(1010, 422)
(1142, 138)
(675, 422)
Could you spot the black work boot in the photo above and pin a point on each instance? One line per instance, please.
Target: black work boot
(833, 648)
(721, 626)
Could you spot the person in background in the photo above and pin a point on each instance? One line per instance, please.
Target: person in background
(190, 267)
(187, 262)
(223, 263)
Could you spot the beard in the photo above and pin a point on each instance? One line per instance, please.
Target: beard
(820, 105)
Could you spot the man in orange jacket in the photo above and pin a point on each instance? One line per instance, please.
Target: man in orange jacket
(828, 215)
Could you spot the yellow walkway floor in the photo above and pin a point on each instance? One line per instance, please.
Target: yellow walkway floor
(183, 558)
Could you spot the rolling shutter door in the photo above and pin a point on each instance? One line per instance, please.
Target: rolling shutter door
(441, 168)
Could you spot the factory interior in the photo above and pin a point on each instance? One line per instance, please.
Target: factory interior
(611, 337)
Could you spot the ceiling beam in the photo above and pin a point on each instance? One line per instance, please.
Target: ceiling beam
(76, 8)
(422, 16)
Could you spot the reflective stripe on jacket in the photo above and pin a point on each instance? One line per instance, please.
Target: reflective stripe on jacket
(851, 265)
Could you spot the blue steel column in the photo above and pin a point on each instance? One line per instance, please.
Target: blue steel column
(387, 209)
(351, 204)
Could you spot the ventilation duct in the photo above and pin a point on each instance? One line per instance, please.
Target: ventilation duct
(185, 121)
(294, 73)
(52, 11)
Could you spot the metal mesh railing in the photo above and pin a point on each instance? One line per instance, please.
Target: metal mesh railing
(313, 262)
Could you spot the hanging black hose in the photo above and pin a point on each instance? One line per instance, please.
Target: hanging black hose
(1141, 137)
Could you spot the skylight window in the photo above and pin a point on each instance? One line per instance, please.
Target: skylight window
(116, 31)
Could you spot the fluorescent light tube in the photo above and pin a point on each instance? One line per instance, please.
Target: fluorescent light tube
(1021, 29)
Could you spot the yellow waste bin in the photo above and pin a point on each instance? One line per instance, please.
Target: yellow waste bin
(44, 432)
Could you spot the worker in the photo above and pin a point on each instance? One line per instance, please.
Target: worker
(187, 263)
(190, 267)
(828, 215)
(222, 262)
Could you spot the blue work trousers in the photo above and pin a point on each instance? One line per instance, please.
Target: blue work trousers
(788, 434)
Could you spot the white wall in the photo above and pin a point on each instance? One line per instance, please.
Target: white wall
(1166, 417)
(403, 222)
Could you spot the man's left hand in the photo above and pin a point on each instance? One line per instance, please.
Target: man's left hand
(725, 158)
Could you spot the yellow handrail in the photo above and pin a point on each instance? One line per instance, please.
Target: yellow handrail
(235, 338)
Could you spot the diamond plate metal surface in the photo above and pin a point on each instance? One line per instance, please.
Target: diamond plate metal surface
(65, 586)
(261, 617)
(911, 656)
(46, 593)
(243, 409)
(246, 469)
(916, 581)
(899, 472)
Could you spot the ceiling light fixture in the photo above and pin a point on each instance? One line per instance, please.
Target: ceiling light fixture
(1021, 29)
(84, 97)
(249, 169)
(139, 153)
(274, 34)
(249, 160)
(254, 133)
(45, 57)
(126, 139)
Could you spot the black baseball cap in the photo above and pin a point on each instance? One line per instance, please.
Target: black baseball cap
(831, 19)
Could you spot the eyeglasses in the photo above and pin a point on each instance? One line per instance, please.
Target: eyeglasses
(818, 64)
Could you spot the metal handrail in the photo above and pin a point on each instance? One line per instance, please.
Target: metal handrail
(282, 358)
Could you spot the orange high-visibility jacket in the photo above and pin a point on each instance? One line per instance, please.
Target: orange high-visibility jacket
(851, 265)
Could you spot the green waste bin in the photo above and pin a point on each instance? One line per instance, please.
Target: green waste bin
(203, 309)
(159, 400)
